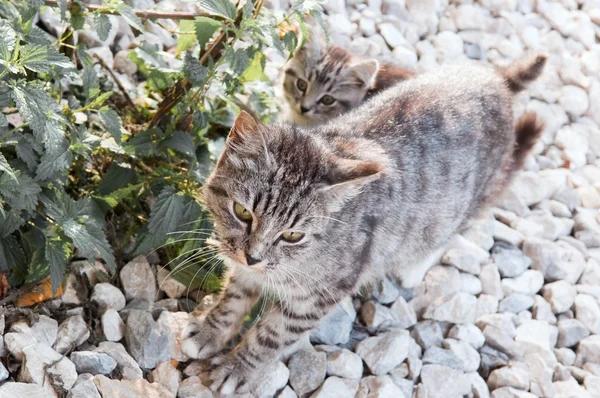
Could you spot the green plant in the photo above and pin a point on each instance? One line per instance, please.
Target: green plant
(84, 170)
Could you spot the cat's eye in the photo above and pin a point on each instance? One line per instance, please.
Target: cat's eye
(242, 213)
(302, 85)
(327, 100)
(292, 237)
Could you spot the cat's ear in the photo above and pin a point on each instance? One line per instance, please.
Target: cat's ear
(245, 137)
(315, 43)
(345, 179)
(365, 72)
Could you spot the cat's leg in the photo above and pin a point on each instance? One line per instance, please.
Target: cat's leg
(209, 334)
(237, 371)
(411, 277)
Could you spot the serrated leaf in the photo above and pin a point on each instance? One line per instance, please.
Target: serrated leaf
(194, 71)
(5, 167)
(41, 112)
(142, 143)
(10, 222)
(90, 241)
(41, 58)
(255, 70)
(187, 35)
(21, 194)
(58, 205)
(181, 142)
(241, 60)
(91, 85)
(54, 164)
(57, 253)
(205, 28)
(116, 177)
(103, 25)
(26, 151)
(222, 8)
(191, 212)
(120, 194)
(9, 37)
(127, 12)
(11, 254)
(112, 122)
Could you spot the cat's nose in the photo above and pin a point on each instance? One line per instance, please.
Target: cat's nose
(251, 260)
(304, 109)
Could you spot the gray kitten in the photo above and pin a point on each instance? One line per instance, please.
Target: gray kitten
(322, 82)
(310, 216)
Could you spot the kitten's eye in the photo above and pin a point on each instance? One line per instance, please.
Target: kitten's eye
(242, 213)
(327, 100)
(302, 85)
(292, 237)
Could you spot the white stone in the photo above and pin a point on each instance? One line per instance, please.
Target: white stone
(442, 382)
(449, 46)
(128, 367)
(393, 37)
(490, 281)
(587, 311)
(108, 296)
(139, 280)
(538, 333)
(112, 325)
(455, 308)
(344, 363)
(469, 16)
(307, 370)
(44, 330)
(71, 334)
(558, 261)
(560, 295)
(529, 282)
(130, 388)
(515, 376)
(468, 333)
(335, 387)
(171, 286)
(384, 352)
(465, 352)
(44, 366)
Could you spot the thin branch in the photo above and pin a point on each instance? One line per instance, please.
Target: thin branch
(144, 14)
(116, 79)
(182, 86)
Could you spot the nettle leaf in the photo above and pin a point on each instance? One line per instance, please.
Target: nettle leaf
(223, 8)
(41, 112)
(11, 254)
(90, 241)
(41, 58)
(21, 194)
(186, 37)
(58, 205)
(10, 222)
(103, 25)
(9, 38)
(181, 142)
(121, 194)
(127, 12)
(240, 60)
(191, 212)
(194, 71)
(91, 85)
(57, 253)
(112, 122)
(116, 177)
(206, 28)
(26, 151)
(54, 163)
(5, 167)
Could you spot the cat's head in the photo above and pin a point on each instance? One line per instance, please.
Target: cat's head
(272, 192)
(323, 81)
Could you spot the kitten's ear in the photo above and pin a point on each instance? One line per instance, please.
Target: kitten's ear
(365, 72)
(315, 44)
(245, 136)
(346, 178)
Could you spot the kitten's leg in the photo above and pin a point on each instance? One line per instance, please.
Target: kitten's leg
(212, 331)
(237, 371)
(411, 277)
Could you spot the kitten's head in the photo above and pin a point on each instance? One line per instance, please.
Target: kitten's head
(322, 82)
(272, 192)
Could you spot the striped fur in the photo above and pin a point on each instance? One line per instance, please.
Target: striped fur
(332, 70)
(375, 191)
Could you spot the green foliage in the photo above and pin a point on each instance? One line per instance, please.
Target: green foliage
(85, 171)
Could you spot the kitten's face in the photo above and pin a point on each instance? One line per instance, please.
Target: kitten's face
(322, 82)
(272, 193)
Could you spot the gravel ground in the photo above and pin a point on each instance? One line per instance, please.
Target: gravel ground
(511, 311)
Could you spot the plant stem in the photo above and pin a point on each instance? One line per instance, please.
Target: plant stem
(144, 14)
(116, 79)
(5, 136)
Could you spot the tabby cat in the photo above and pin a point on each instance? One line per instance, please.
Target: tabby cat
(323, 81)
(311, 215)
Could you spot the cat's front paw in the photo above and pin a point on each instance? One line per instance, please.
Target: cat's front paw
(230, 376)
(200, 341)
